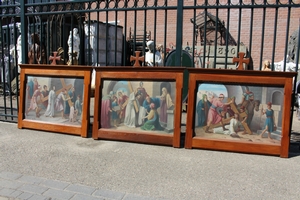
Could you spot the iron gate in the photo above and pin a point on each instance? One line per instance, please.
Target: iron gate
(207, 32)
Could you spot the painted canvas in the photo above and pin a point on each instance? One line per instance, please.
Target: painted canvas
(248, 113)
(55, 100)
(138, 106)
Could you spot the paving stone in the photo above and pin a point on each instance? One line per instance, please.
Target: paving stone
(9, 175)
(109, 194)
(86, 197)
(10, 184)
(16, 193)
(6, 192)
(59, 194)
(80, 189)
(55, 184)
(39, 197)
(31, 179)
(25, 195)
(35, 189)
(136, 197)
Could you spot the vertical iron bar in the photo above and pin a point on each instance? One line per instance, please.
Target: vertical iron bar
(165, 33)
(205, 29)
(106, 38)
(87, 48)
(251, 28)
(97, 37)
(134, 31)
(194, 38)
(179, 32)
(287, 35)
(216, 35)
(155, 22)
(239, 28)
(227, 33)
(145, 32)
(24, 31)
(116, 36)
(275, 37)
(124, 38)
(262, 36)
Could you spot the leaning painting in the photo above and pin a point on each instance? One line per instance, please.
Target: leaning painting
(55, 98)
(138, 105)
(241, 111)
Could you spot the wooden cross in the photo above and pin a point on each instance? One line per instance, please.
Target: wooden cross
(137, 59)
(58, 91)
(65, 86)
(241, 114)
(240, 60)
(54, 58)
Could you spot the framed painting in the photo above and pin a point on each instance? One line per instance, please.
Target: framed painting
(242, 111)
(138, 104)
(55, 98)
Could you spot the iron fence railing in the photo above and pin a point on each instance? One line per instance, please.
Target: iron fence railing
(205, 33)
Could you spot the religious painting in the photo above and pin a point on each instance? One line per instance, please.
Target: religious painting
(54, 100)
(133, 109)
(55, 103)
(239, 112)
(235, 111)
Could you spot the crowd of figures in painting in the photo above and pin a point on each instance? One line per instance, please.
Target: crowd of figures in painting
(54, 100)
(138, 106)
(239, 112)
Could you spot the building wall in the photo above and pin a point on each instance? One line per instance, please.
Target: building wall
(260, 44)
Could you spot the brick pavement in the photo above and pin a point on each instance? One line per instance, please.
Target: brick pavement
(15, 186)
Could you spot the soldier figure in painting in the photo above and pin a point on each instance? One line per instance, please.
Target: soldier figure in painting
(35, 100)
(143, 92)
(45, 93)
(78, 106)
(270, 125)
(122, 101)
(213, 116)
(250, 105)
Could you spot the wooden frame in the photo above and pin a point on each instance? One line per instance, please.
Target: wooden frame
(236, 86)
(109, 80)
(70, 84)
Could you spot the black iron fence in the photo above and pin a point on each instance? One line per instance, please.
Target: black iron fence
(192, 33)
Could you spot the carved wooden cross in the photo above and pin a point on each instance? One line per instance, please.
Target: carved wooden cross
(240, 60)
(137, 59)
(54, 58)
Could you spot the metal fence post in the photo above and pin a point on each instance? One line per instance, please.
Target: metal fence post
(179, 32)
(24, 31)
